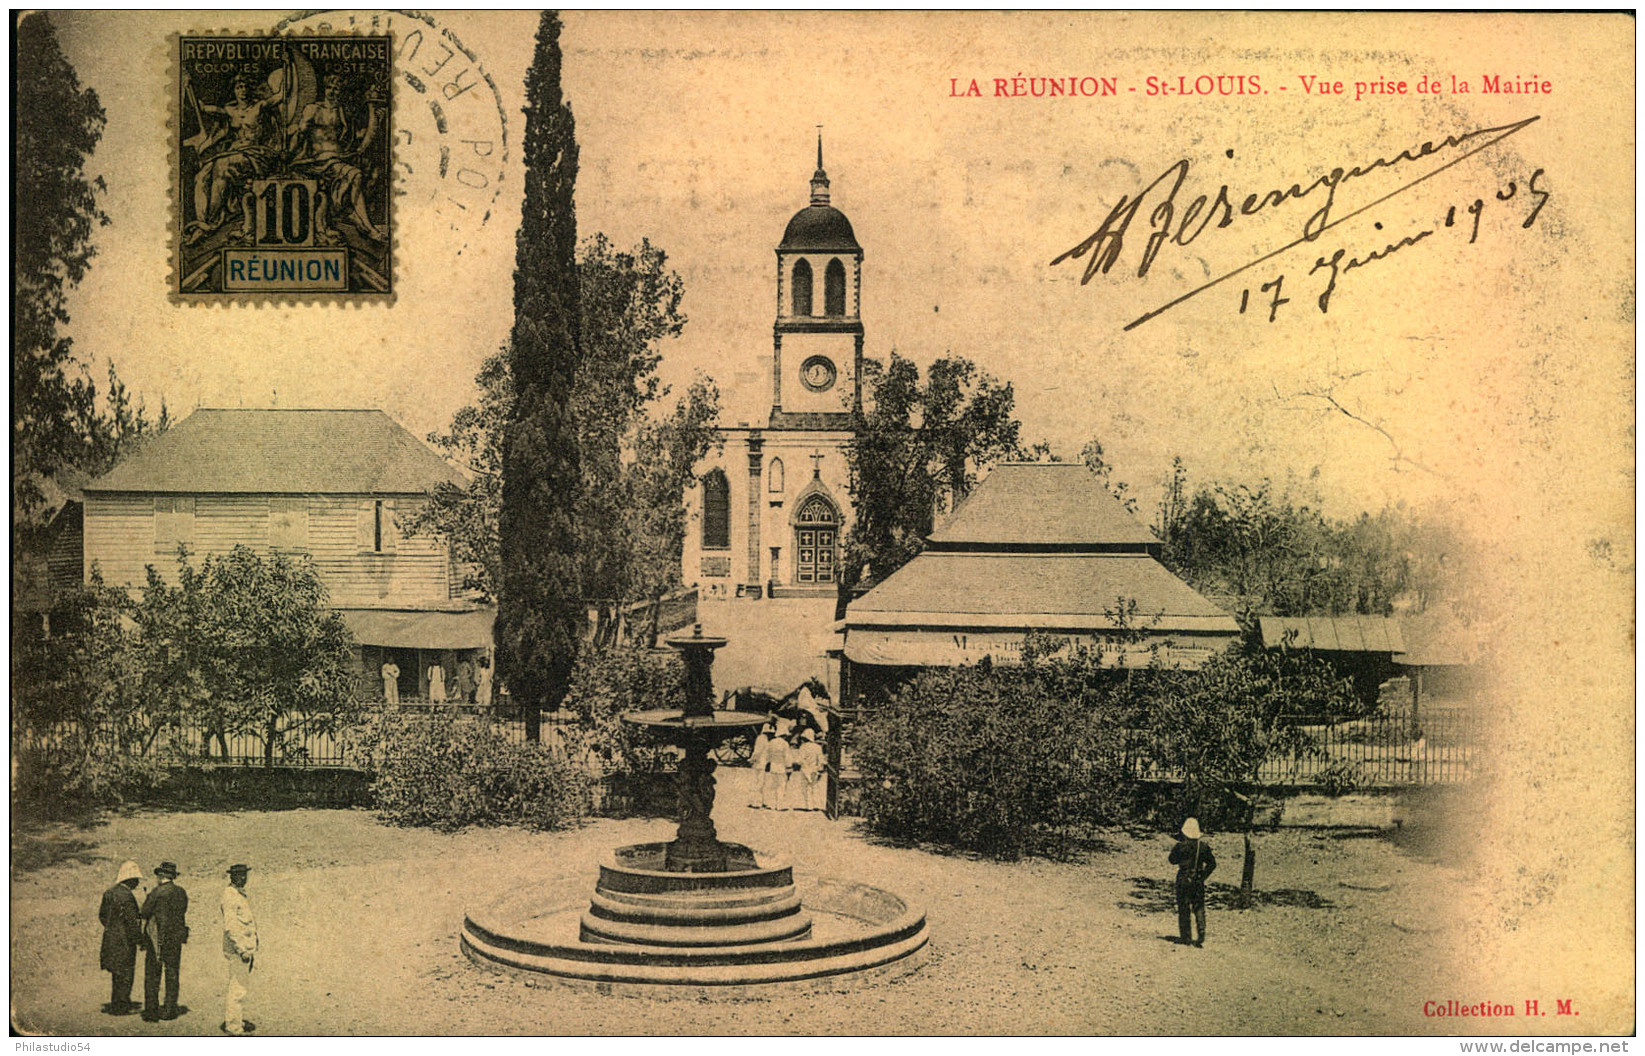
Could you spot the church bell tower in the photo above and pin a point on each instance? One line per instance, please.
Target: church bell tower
(816, 375)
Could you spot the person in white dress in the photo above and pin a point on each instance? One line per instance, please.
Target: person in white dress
(391, 682)
(436, 684)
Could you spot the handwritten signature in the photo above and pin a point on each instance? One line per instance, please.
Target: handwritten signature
(1106, 245)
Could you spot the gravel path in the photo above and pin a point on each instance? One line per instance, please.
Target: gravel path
(359, 924)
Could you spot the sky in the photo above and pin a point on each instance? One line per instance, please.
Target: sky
(1424, 381)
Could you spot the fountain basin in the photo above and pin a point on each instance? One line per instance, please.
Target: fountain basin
(858, 933)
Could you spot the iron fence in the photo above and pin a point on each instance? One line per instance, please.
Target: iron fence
(1387, 749)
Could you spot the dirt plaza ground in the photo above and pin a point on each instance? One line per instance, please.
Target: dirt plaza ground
(359, 927)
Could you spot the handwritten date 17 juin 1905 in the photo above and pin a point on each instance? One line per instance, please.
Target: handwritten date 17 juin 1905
(1105, 246)
(1339, 263)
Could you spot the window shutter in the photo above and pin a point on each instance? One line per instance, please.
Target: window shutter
(365, 525)
(184, 525)
(391, 527)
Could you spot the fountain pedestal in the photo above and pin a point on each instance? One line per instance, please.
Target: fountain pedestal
(697, 911)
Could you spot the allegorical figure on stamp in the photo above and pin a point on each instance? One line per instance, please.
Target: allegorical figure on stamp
(165, 917)
(226, 177)
(325, 149)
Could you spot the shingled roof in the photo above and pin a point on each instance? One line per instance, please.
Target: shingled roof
(1043, 504)
(346, 452)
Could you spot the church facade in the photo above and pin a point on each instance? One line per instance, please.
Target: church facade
(771, 507)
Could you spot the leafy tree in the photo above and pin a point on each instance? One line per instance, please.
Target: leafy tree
(665, 454)
(1218, 726)
(1264, 551)
(57, 126)
(82, 682)
(914, 447)
(273, 656)
(539, 607)
(630, 516)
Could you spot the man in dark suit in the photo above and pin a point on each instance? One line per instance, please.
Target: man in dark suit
(164, 912)
(1194, 861)
(122, 935)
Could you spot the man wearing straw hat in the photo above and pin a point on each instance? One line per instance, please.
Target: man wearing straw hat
(239, 949)
(165, 912)
(122, 935)
(1194, 861)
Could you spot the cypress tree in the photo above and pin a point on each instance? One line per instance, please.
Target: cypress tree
(539, 609)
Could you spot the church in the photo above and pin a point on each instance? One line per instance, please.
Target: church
(772, 505)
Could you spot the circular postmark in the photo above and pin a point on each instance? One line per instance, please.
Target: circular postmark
(450, 151)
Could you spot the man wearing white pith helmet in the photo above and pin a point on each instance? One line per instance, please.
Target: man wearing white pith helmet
(122, 938)
(1194, 861)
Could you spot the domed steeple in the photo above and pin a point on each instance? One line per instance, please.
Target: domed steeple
(818, 333)
(819, 226)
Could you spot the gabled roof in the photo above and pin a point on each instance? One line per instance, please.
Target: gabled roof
(1042, 504)
(1063, 591)
(282, 451)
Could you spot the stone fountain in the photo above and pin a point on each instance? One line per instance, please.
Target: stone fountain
(697, 914)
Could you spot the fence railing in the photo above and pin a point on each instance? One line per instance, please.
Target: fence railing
(1390, 748)
(193, 744)
(1387, 749)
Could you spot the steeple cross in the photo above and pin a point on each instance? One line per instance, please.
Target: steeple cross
(816, 464)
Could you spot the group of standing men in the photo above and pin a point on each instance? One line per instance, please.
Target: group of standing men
(790, 768)
(160, 928)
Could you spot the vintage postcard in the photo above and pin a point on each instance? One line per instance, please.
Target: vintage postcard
(891, 523)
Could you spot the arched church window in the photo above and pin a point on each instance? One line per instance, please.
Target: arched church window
(816, 541)
(802, 287)
(774, 474)
(834, 288)
(716, 511)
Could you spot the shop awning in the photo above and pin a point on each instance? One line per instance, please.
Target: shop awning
(911, 647)
(421, 629)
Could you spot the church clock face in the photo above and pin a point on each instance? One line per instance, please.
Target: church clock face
(818, 374)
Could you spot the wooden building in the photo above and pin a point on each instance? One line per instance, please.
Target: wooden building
(333, 486)
(1036, 547)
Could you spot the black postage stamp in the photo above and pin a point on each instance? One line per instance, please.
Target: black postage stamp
(282, 173)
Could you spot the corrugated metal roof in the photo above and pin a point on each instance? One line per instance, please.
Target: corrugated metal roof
(1354, 634)
(283, 451)
(1035, 590)
(1041, 504)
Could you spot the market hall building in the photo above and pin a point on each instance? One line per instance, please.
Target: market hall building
(1035, 547)
(771, 507)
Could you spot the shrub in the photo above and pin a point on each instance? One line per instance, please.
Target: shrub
(447, 771)
(609, 682)
(999, 761)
